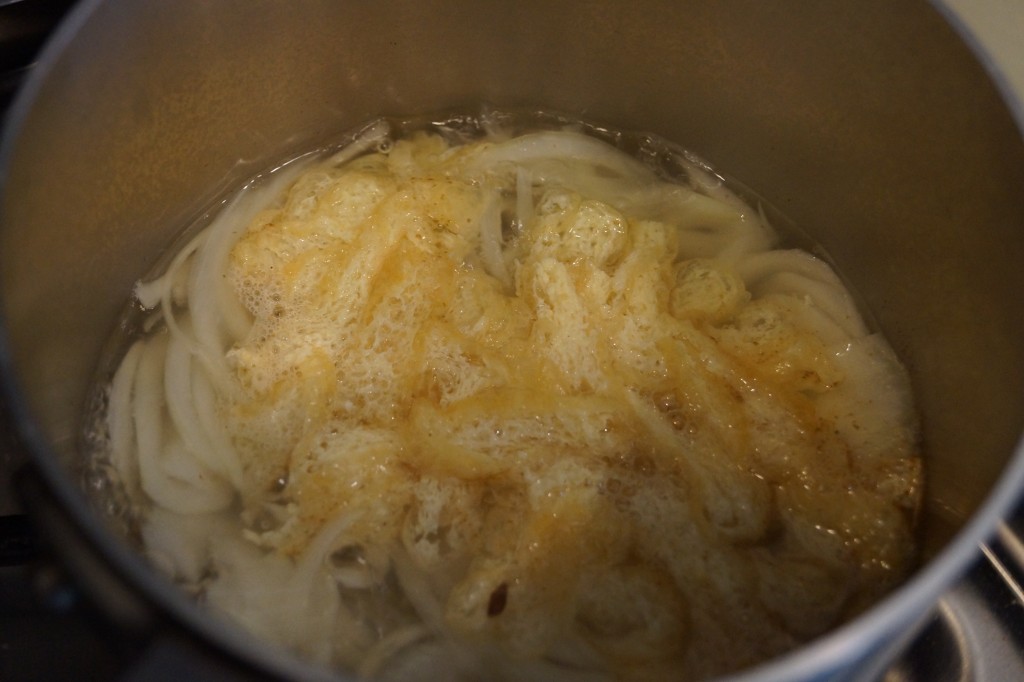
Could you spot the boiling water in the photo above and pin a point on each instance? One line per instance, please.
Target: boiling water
(543, 408)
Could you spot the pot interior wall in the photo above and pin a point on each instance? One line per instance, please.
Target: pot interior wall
(867, 123)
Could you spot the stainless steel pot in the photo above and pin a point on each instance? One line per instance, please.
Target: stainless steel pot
(868, 123)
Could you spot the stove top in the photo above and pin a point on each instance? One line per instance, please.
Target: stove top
(976, 633)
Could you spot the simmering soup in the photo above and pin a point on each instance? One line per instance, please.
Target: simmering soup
(473, 400)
